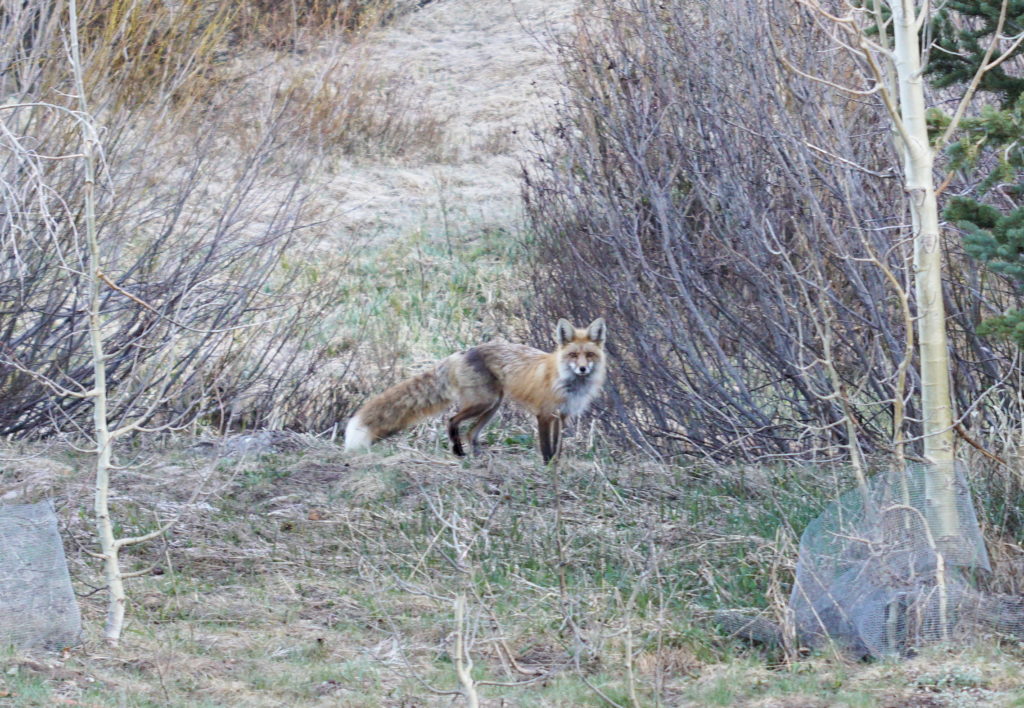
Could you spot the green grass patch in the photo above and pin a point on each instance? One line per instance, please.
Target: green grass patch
(428, 294)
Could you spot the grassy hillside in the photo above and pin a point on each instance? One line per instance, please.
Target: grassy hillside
(309, 577)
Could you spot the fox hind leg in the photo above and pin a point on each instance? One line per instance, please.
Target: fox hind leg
(472, 411)
(478, 426)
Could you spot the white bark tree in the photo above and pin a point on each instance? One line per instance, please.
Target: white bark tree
(886, 38)
(110, 545)
(918, 169)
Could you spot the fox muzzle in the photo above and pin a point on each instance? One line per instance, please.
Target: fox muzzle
(581, 369)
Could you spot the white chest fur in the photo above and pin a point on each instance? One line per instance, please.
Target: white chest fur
(579, 391)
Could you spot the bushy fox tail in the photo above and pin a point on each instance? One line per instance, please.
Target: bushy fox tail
(398, 407)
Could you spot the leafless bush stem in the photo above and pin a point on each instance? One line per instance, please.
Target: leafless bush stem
(719, 193)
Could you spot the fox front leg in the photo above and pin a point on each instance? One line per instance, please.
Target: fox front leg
(549, 432)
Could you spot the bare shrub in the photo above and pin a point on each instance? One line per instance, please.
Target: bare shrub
(743, 228)
(282, 25)
(201, 306)
(141, 52)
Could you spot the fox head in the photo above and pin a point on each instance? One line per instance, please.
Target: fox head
(580, 351)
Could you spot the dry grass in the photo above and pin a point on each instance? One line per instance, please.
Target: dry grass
(307, 577)
(295, 26)
(348, 107)
(158, 52)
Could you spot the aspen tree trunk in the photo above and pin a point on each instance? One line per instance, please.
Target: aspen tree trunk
(109, 546)
(104, 526)
(918, 155)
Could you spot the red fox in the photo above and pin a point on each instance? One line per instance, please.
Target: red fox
(552, 386)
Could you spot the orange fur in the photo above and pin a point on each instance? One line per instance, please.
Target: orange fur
(551, 385)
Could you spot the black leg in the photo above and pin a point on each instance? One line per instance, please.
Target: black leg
(549, 431)
(484, 419)
(453, 425)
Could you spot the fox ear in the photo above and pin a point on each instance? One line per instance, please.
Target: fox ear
(596, 331)
(564, 332)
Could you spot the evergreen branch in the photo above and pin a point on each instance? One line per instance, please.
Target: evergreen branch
(983, 68)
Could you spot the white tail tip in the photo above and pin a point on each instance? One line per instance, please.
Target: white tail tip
(357, 435)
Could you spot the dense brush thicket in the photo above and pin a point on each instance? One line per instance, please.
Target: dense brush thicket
(743, 228)
(201, 199)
